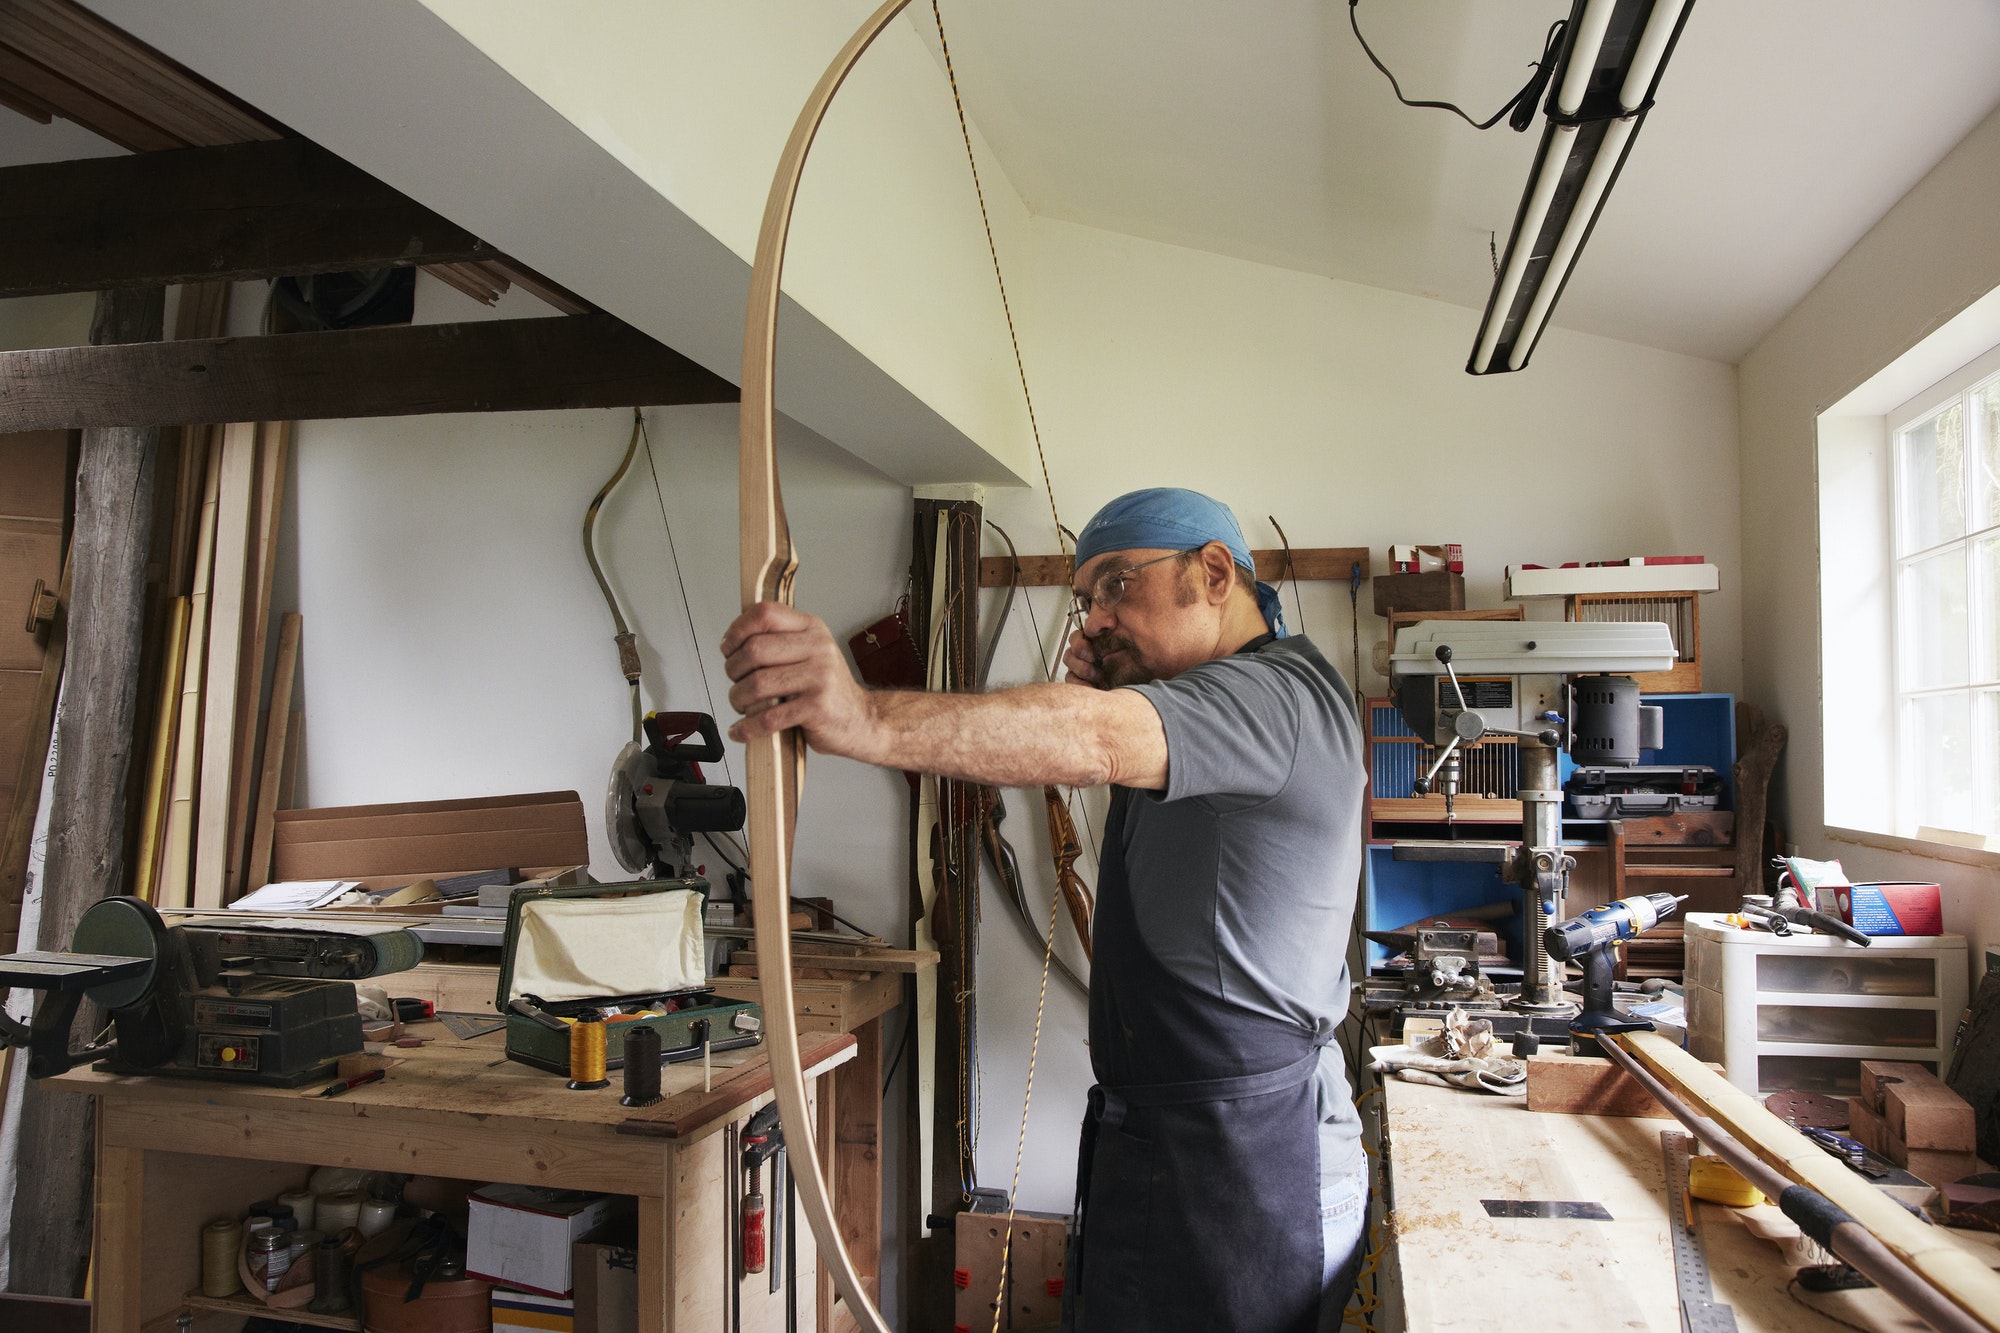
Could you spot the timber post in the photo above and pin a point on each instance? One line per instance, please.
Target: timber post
(50, 1251)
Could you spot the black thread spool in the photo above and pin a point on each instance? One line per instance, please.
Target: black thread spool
(642, 1066)
(330, 1278)
(586, 1054)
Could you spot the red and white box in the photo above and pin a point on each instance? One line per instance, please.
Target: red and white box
(1891, 908)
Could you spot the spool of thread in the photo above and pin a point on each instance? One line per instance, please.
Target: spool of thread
(220, 1241)
(376, 1215)
(301, 1204)
(330, 1278)
(339, 1211)
(642, 1066)
(586, 1054)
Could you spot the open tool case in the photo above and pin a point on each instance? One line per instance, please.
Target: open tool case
(636, 946)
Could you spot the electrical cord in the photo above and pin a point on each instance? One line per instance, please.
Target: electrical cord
(1521, 104)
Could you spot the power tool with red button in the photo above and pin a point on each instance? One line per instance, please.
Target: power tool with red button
(251, 1000)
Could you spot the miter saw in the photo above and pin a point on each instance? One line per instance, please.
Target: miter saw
(1555, 687)
(657, 800)
(250, 1000)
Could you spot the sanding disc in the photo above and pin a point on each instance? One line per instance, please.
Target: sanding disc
(1808, 1110)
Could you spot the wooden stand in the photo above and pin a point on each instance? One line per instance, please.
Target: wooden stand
(173, 1153)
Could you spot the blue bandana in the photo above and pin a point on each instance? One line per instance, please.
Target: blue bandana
(1167, 518)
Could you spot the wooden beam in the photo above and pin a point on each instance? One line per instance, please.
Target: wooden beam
(233, 511)
(1308, 565)
(248, 210)
(50, 1243)
(507, 365)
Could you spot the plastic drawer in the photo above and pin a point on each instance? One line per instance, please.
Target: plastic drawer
(1820, 975)
(1822, 1025)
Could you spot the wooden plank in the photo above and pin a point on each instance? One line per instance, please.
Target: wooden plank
(177, 848)
(869, 960)
(507, 365)
(225, 634)
(118, 1210)
(856, 1164)
(159, 767)
(276, 729)
(295, 744)
(685, 1114)
(1577, 1085)
(1310, 564)
(273, 438)
(217, 214)
(75, 102)
(85, 861)
(1759, 743)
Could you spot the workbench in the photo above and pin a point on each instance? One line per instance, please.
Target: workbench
(1453, 1266)
(172, 1153)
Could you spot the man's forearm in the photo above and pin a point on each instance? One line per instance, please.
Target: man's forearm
(1061, 734)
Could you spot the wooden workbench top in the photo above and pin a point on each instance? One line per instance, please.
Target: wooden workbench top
(472, 1083)
(1457, 1267)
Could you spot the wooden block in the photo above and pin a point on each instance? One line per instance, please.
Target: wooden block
(1866, 1127)
(1941, 1168)
(1929, 1116)
(1584, 1085)
(976, 1279)
(1877, 1075)
(1035, 1268)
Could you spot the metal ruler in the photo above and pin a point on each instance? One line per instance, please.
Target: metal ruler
(1700, 1311)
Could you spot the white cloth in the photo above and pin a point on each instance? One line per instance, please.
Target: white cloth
(583, 948)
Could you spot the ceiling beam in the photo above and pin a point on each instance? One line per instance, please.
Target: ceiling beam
(250, 210)
(516, 365)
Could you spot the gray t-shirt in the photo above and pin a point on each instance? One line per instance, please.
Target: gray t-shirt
(1243, 872)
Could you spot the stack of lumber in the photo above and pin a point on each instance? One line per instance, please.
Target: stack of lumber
(1906, 1114)
(218, 757)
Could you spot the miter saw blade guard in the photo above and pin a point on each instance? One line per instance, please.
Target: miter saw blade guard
(656, 800)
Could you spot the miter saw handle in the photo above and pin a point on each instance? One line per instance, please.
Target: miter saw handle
(668, 734)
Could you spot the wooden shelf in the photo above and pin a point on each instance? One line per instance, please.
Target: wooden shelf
(244, 1304)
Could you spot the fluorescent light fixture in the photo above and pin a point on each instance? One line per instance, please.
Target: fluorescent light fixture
(1614, 52)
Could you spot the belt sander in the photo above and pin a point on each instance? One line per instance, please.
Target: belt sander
(258, 1001)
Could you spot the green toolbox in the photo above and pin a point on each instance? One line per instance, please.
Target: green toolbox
(631, 952)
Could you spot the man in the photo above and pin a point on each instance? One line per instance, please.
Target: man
(1221, 1183)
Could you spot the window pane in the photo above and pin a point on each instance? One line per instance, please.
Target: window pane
(1931, 463)
(1933, 614)
(1937, 758)
(1986, 624)
(1986, 728)
(1986, 484)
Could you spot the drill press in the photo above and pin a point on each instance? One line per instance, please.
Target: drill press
(1554, 687)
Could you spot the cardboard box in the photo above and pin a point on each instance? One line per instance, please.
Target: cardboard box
(1927, 1115)
(522, 1236)
(1891, 908)
(606, 1269)
(529, 1312)
(383, 845)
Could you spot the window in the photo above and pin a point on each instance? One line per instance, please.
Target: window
(1945, 481)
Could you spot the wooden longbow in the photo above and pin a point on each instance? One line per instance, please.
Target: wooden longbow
(776, 764)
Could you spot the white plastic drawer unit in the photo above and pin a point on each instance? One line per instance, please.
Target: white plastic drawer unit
(1804, 1011)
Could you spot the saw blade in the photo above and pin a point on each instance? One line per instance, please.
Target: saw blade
(629, 843)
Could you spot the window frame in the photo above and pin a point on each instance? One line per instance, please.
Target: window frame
(1982, 605)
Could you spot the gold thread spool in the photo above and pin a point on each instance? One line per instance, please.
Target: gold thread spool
(586, 1054)
(221, 1240)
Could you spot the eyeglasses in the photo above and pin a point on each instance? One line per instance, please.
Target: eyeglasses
(1107, 590)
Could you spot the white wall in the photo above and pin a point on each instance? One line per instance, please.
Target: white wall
(1933, 255)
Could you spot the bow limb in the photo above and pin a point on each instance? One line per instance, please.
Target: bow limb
(1064, 843)
(775, 765)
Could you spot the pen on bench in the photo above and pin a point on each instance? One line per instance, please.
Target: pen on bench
(348, 1085)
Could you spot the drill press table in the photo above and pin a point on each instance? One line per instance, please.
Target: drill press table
(1452, 1265)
